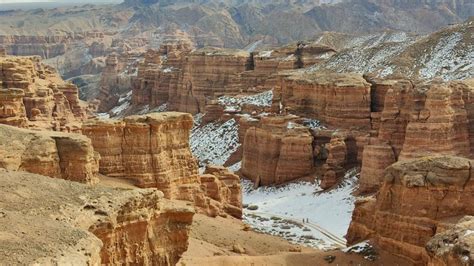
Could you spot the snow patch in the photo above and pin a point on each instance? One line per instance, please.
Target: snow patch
(214, 143)
(329, 213)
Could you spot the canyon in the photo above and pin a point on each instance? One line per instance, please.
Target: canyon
(237, 132)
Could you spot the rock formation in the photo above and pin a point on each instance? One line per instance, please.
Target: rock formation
(277, 151)
(51, 221)
(453, 246)
(33, 95)
(44, 46)
(418, 199)
(153, 151)
(207, 74)
(60, 155)
(338, 100)
(425, 119)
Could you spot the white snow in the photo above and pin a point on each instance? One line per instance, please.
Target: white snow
(234, 103)
(215, 142)
(265, 54)
(330, 211)
(124, 103)
(446, 61)
(469, 232)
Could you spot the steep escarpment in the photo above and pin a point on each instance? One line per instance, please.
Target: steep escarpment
(275, 153)
(418, 199)
(54, 154)
(33, 95)
(51, 221)
(153, 151)
(419, 120)
(338, 100)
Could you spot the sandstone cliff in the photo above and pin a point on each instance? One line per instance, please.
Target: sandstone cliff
(50, 221)
(338, 100)
(277, 151)
(33, 95)
(153, 151)
(418, 199)
(418, 120)
(60, 155)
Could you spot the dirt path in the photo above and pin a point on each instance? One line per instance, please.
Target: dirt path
(335, 240)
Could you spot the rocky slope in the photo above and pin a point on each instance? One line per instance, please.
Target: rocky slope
(447, 53)
(33, 95)
(54, 154)
(51, 221)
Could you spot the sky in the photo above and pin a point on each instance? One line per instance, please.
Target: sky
(63, 1)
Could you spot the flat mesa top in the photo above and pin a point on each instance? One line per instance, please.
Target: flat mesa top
(335, 79)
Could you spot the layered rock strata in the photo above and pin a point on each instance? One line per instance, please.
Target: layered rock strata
(33, 95)
(422, 120)
(418, 199)
(153, 151)
(60, 155)
(88, 225)
(277, 151)
(338, 100)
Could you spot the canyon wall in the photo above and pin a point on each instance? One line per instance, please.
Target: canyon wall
(418, 199)
(55, 154)
(338, 100)
(33, 95)
(419, 120)
(277, 151)
(88, 225)
(191, 79)
(153, 151)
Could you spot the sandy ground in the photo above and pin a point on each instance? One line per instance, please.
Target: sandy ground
(213, 239)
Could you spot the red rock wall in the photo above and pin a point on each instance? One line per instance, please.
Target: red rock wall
(274, 153)
(60, 155)
(338, 100)
(417, 198)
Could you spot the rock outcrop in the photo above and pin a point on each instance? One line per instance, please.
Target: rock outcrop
(33, 95)
(44, 46)
(453, 246)
(277, 151)
(432, 118)
(338, 100)
(51, 221)
(209, 72)
(418, 199)
(153, 151)
(55, 154)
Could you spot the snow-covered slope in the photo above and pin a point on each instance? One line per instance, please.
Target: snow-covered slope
(215, 142)
(448, 54)
(328, 213)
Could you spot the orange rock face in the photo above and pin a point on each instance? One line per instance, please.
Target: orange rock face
(153, 151)
(422, 120)
(89, 225)
(33, 95)
(417, 199)
(339, 100)
(59, 155)
(208, 73)
(441, 127)
(276, 152)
